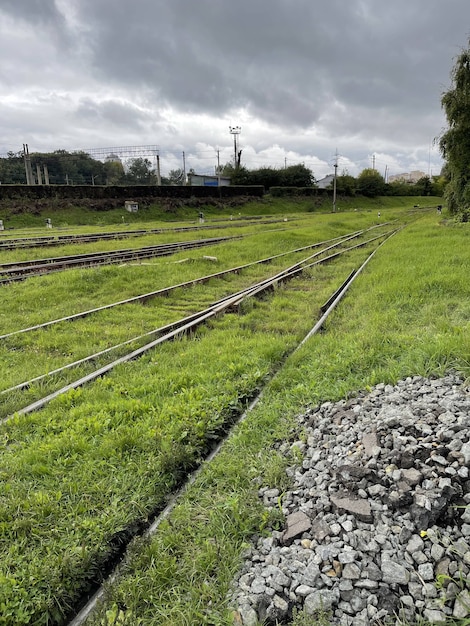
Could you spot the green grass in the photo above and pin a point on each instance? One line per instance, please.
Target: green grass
(405, 315)
(179, 213)
(99, 460)
(82, 473)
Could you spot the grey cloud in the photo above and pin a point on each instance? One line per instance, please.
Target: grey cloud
(368, 72)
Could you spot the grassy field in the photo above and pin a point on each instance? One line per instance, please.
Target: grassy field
(408, 314)
(88, 220)
(82, 473)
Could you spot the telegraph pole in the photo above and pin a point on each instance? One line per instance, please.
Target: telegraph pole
(235, 131)
(184, 169)
(159, 178)
(27, 165)
(334, 181)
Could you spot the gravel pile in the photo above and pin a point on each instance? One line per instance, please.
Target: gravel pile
(377, 524)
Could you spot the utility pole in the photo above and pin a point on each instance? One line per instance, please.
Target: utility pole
(235, 131)
(218, 168)
(27, 165)
(334, 181)
(373, 161)
(159, 178)
(184, 169)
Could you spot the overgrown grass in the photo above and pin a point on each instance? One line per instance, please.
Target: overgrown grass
(66, 217)
(406, 315)
(82, 473)
(33, 353)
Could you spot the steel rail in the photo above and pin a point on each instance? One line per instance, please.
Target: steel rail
(166, 290)
(173, 325)
(93, 602)
(92, 255)
(175, 328)
(12, 272)
(56, 240)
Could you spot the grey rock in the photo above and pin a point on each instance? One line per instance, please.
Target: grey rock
(434, 616)
(462, 605)
(415, 544)
(426, 571)
(304, 590)
(322, 599)
(320, 529)
(378, 469)
(248, 615)
(394, 573)
(352, 571)
(297, 523)
(359, 508)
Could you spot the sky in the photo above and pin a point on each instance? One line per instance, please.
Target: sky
(357, 82)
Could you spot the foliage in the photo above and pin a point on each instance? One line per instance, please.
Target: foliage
(423, 187)
(176, 177)
(12, 170)
(346, 185)
(370, 183)
(292, 176)
(77, 168)
(140, 172)
(455, 142)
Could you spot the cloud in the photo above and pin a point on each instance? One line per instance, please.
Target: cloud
(304, 78)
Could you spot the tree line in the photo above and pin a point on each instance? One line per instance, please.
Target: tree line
(79, 168)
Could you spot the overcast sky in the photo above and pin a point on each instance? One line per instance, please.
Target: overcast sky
(301, 78)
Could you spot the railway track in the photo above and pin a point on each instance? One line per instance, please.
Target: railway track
(94, 600)
(331, 243)
(60, 240)
(184, 325)
(20, 270)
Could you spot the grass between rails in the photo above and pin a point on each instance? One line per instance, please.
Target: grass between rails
(95, 463)
(60, 294)
(110, 480)
(31, 354)
(407, 314)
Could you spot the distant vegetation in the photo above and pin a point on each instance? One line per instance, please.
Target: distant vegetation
(79, 168)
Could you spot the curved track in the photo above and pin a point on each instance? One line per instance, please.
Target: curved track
(99, 596)
(170, 331)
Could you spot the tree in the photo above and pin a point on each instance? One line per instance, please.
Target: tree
(423, 186)
(12, 170)
(140, 172)
(176, 177)
(113, 171)
(455, 142)
(297, 176)
(370, 183)
(345, 185)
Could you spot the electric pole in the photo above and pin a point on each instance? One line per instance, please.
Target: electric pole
(159, 178)
(27, 165)
(334, 181)
(235, 131)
